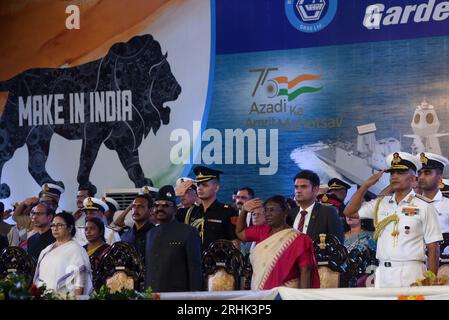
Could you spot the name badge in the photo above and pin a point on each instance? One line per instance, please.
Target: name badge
(215, 221)
(410, 211)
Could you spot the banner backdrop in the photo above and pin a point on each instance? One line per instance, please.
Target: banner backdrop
(97, 105)
(344, 83)
(257, 88)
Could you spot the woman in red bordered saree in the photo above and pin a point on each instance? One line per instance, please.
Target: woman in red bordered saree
(283, 256)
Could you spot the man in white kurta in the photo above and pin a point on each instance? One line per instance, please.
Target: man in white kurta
(406, 225)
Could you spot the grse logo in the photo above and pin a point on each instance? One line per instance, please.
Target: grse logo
(377, 16)
(310, 15)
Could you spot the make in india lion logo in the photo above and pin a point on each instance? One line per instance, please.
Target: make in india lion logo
(310, 15)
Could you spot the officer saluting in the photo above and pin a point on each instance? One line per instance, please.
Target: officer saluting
(406, 224)
(213, 219)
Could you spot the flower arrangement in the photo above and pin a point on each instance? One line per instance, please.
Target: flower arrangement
(430, 279)
(105, 293)
(15, 287)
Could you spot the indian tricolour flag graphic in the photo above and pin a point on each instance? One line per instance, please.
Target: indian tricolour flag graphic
(294, 88)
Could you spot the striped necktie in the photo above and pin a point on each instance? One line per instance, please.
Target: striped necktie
(302, 220)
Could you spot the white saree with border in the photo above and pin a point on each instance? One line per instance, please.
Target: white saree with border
(64, 268)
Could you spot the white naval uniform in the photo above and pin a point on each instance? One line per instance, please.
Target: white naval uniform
(402, 261)
(441, 204)
(81, 222)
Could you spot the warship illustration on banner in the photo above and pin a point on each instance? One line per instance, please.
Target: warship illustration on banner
(356, 162)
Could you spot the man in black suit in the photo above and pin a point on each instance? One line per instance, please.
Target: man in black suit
(312, 217)
(173, 250)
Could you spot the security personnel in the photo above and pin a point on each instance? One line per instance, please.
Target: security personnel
(172, 250)
(430, 179)
(141, 210)
(113, 206)
(186, 191)
(336, 194)
(214, 220)
(50, 194)
(406, 224)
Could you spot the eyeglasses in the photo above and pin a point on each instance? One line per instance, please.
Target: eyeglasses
(163, 205)
(57, 225)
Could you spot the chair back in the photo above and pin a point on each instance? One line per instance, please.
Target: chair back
(121, 267)
(222, 265)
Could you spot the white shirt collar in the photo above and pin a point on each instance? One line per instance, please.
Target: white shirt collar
(309, 209)
(406, 198)
(438, 197)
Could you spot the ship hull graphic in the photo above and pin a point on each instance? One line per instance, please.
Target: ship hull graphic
(358, 161)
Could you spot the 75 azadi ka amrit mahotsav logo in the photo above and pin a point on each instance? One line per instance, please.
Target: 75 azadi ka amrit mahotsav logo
(281, 86)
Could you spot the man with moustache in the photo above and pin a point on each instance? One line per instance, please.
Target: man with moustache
(141, 211)
(406, 224)
(173, 250)
(213, 219)
(243, 194)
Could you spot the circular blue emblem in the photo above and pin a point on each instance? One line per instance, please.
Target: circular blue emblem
(310, 15)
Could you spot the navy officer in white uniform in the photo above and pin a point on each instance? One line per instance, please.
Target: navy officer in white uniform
(430, 180)
(406, 225)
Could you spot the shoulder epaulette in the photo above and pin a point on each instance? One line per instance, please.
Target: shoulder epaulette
(423, 198)
(385, 194)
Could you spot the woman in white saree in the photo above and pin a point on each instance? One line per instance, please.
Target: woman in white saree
(64, 266)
